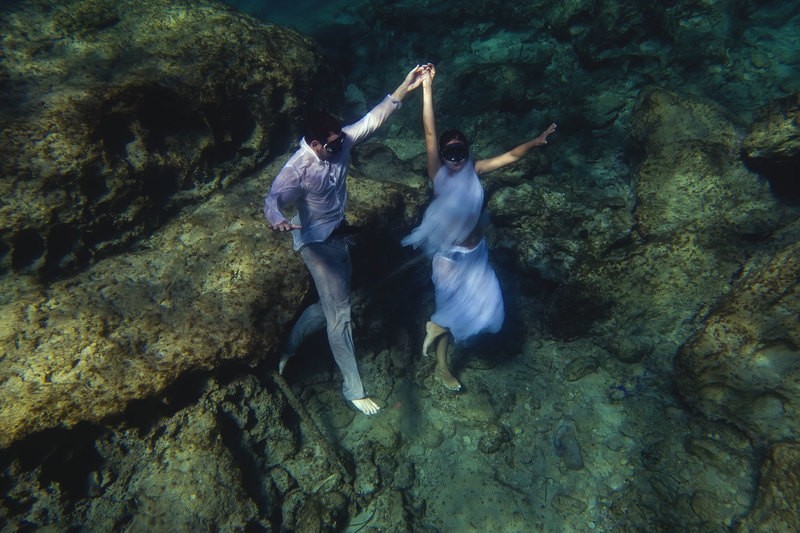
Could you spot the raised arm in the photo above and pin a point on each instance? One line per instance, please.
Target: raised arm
(512, 156)
(412, 81)
(366, 125)
(429, 121)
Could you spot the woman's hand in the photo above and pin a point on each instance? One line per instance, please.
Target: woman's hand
(414, 78)
(284, 226)
(429, 72)
(412, 81)
(542, 139)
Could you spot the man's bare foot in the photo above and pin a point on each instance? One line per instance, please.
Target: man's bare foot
(432, 332)
(448, 379)
(366, 406)
(282, 363)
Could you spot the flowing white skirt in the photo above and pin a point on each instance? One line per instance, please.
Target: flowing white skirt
(468, 297)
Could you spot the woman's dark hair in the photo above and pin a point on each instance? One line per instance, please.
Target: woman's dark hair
(451, 135)
(318, 125)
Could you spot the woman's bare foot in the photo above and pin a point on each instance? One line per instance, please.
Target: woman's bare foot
(432, 332)
(447, 378)
(366, 406)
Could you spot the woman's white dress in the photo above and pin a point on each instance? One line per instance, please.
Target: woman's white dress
(467, 293)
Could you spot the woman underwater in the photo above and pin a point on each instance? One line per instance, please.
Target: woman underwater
(466, 290)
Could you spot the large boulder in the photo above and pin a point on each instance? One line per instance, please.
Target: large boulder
(234, 454)
(638, 265)
(116, 113)
(744, 366)
(211, 286)
(691, 178)
(775, 134)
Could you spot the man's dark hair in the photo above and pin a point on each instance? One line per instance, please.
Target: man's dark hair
(319, 125)
(451, 135)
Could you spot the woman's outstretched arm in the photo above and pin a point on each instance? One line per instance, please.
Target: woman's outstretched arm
(429, 121)
(512, 156)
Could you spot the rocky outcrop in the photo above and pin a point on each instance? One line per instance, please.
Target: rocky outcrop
(744, 366)
(778, 499)
(648, 267)
(115, 114)
(773, 146)
(233, 455)
(213, 285)
(776, 132)
(691, 179)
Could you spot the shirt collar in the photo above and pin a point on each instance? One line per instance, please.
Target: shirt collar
(307, 149)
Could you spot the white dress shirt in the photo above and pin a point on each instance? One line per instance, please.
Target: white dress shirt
(318, 188)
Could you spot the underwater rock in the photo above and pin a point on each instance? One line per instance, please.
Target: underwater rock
(629, 348)
(117, 113)
(691, 178)
(744, 366)
(389, 508)
(494, 438)
(778, 497)
(211, 286)
(547, 226)
(772, 147)
(604, 33)
(775, 133)
(214, 456)
(567, 447)
(699, 33)
(316, 513)
(569, 505)
(431, 437)
(580, 367)
(700, 213)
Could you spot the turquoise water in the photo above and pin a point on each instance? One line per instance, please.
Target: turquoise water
(645, 378)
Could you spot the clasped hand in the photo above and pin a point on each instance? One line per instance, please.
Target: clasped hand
(285, 226)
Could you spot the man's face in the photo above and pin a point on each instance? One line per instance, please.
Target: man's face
(331, 147)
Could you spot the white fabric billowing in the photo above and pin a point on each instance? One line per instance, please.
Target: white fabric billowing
(467, 293)
(453, 213)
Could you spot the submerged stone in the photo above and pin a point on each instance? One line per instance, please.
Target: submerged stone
(568, 448)
(581, 367)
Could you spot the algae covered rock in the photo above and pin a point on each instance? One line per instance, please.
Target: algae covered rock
(778, 500)
(775, 134)
(700, 214)
(115, 114)
(691, 178)
(744, 366)
(225, 456)
(772, 147)
(211, 286)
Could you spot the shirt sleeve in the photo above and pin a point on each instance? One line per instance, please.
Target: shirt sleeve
(284, 191)
(373, 120)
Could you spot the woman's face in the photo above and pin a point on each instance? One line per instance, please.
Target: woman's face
(454, 155)
(453, 166)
